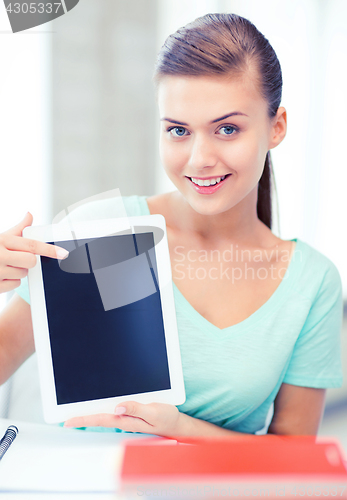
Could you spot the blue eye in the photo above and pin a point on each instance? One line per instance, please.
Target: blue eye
(227, 130)
(177, 131)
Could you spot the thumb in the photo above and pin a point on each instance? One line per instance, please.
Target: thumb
(132, 409)
(18, 229)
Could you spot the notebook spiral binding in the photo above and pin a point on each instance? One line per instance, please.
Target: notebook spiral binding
(9, 436)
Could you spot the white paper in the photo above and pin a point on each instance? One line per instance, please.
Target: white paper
(46, 458)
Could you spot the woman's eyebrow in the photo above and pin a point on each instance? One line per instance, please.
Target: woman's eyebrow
(235, 113)
(172, 121)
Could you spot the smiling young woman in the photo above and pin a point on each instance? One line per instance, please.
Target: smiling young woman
(259, 318)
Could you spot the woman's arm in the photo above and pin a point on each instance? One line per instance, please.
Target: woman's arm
(297, 411)
(16, 336)
(17, 255)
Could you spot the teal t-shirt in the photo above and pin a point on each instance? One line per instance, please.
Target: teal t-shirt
(232, 375)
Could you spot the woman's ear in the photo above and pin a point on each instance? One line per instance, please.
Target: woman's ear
(279, 128)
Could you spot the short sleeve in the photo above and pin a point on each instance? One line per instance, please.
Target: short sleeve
(316, 357)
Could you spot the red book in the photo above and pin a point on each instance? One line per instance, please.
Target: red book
(290, 466)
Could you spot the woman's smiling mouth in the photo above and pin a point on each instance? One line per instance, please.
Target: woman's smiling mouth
(207, 185)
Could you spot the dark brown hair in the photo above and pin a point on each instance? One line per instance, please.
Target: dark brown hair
(218, 44)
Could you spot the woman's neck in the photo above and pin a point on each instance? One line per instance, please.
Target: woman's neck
(240, 223)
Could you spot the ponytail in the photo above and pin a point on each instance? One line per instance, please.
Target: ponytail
(264, 204)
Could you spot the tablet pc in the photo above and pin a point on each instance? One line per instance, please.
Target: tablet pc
(104, 318)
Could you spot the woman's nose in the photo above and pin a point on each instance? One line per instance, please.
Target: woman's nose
(202, 153)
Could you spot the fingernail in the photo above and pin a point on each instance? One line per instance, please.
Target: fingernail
(67, 424)
(120, 410)
(62, 253)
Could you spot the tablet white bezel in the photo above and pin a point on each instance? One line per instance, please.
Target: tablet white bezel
(93, 229)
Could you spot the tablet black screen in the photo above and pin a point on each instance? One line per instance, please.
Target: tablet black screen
(105, 319)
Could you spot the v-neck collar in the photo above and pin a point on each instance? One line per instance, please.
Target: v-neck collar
(273, 302)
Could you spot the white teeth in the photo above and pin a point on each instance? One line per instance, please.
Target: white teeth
(208, 182)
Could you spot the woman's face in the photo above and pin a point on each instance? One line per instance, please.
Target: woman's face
(214, 131)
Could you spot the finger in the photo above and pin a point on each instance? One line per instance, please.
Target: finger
(18, 229)
(24, 260)
(36, 247)
(133, 409)
(13, 273)
(129, 424)
(99, 420)
(135, 424)
(8, 285)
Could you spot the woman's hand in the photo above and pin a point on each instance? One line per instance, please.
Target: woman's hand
(153, 418)
(18, 254)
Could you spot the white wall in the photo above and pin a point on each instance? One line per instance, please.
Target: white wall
(24, 125)
(25, 162)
